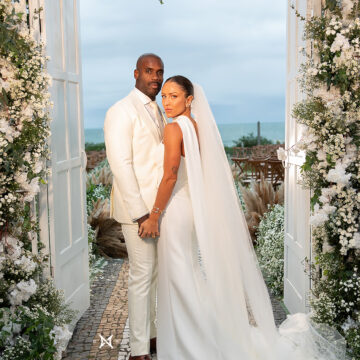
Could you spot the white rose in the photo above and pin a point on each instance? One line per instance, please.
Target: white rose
(28, 112)
(26, 264)
(338, 175)
(355, 241)
(22, 292)
(340, 43)
(38, 167)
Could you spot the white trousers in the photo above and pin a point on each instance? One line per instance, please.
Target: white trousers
(141, 289)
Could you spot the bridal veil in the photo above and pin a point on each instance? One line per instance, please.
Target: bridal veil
(236, 297)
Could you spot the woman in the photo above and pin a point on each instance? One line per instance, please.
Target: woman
(212, 300)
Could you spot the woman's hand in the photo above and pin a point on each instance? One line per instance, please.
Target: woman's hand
(149, 228)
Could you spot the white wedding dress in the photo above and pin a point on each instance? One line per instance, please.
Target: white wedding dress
(182, 331)
(212, 301)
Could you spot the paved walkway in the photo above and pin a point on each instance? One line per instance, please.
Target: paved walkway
(108, 316)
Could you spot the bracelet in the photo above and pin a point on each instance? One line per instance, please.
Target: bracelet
(156, 210)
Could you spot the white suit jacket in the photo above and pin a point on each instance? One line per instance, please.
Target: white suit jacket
(132, 139)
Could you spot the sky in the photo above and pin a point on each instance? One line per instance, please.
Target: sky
(235, 49)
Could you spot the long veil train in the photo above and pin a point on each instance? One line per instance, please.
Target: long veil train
(233, 277)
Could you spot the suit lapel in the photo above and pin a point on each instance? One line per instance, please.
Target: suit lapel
(164, 118)
(140, 107)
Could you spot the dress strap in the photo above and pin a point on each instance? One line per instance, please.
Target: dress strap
(189, 134)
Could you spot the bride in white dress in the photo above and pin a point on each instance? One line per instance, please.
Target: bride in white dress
(213, 303)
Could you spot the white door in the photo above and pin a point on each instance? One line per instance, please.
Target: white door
(297, 201)
(66, 198)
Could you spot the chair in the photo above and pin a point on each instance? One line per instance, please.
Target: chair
(259, 160)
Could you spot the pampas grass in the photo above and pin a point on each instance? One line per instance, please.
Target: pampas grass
(109, 239)
(257, 199)
(100, 175)
(108, 234)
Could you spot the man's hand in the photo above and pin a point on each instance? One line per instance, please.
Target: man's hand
(142, 219)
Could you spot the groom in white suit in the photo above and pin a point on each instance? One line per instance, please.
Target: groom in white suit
(133, 129)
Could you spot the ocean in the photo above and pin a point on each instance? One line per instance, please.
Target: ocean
(274, 131)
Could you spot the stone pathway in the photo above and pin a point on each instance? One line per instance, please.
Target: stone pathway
(278, 310)
(104, 314)
(108, 316)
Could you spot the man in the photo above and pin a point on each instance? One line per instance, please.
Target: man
(133, 129)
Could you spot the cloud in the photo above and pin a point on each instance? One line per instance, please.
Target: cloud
(235, 49)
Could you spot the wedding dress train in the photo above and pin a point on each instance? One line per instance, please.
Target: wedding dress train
(212, 301)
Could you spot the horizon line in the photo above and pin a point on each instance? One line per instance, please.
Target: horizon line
(238, 123)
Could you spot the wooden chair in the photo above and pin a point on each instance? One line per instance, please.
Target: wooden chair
(241, 164)
(259, 160)
(241, 152)
(257, 167)
(276, 171)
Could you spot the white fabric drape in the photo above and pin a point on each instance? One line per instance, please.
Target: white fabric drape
(233, 277)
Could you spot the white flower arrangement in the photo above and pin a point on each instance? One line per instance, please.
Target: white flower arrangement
(22, 292)
(331, 141)
(30, 305)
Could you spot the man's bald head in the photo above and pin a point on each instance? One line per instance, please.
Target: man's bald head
(149, 74)
(143, 57)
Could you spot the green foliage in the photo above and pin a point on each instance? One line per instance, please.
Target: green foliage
(240, 195)
(38, 332)
(10, 40)
(229, 151)
(52, 299)
(94, 147)
(251, 140)
(333, 6)
(21, 350)
(352, 336)
(270, 248)
(93, 250)
(95, 190)
(35, 339)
